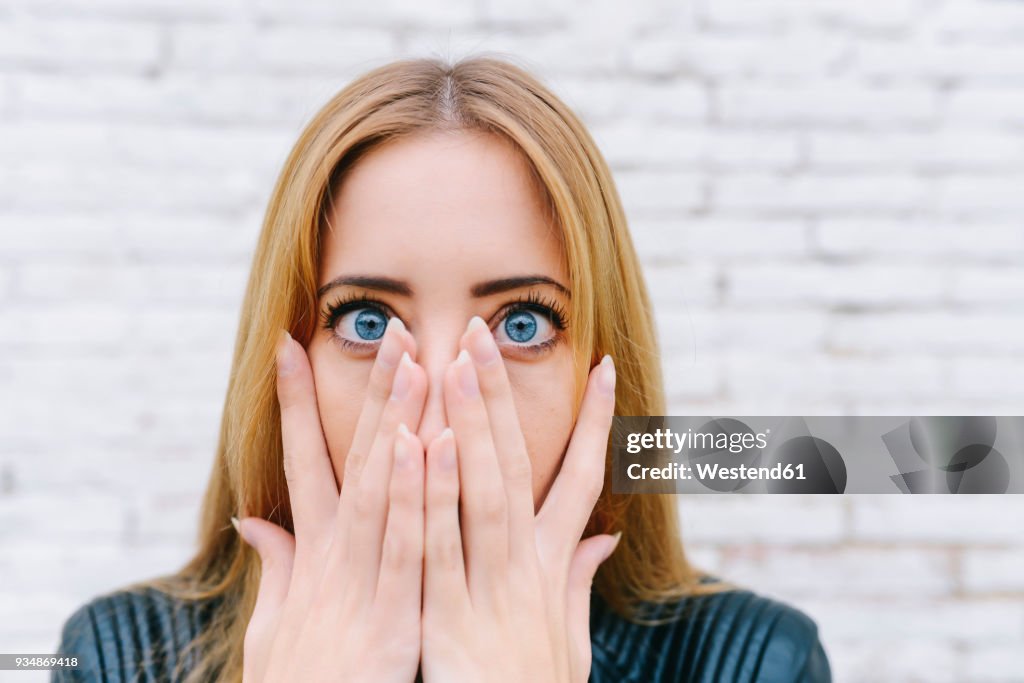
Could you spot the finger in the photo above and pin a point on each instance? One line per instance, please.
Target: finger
(307, 464)
(362, 515)
(571, 500)
(401, 564)
(507, 434)
(444, 564)
(484, 506)
(394, 343)
(276, 548)
(589, 555)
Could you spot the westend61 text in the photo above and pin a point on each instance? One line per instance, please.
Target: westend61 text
(713, 471)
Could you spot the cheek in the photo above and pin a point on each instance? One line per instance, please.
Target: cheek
(543, 396)
(340, 391)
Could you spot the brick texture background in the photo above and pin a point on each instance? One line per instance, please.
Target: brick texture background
(827, 196)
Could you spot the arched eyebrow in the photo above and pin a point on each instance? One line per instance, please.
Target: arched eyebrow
(506, 284)
(479, 290)
(380, 284)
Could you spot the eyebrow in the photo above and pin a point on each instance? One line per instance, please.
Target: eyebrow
(506, 284)
(479, 290)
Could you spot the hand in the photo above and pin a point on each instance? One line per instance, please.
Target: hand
(506, 593)
(341, 599)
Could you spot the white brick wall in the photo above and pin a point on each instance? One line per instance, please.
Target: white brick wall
(827, 197)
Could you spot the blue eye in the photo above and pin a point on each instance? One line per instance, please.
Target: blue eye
(370, 324)
(521, 326)
(356, 323)
(528, 330)
(360, 325)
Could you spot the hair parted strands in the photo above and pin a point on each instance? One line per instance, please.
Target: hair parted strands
(609, 308)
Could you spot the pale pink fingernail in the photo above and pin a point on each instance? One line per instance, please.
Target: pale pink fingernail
(466, 375)
(391, 348)
(286, 362)
(481, 342)
(606, 376)
(613, 545)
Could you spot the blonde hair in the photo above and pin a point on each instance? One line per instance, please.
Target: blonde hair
(610, 313)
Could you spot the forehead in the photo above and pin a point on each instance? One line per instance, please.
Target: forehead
(461, 204)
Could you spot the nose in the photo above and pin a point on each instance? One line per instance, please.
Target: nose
(437, 348)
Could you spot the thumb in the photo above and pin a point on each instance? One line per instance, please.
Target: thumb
(276, 548)
(589, 555)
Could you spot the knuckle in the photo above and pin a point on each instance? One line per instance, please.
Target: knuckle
(447, 555)
(400, 498)
(492, 507)
(353, 465)
(519, 471)
(442, 487)
(367, 499)
(439, 496)
(397, 552)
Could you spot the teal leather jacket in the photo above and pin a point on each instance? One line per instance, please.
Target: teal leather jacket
(735, 636)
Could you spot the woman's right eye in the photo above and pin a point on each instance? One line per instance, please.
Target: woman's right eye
(362, 325)
(357, 324)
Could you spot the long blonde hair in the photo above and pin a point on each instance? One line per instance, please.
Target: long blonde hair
(610, 312)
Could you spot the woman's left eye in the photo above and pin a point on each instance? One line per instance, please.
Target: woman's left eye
(525, 328)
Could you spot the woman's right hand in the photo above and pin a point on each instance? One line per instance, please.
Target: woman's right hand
(340, 600)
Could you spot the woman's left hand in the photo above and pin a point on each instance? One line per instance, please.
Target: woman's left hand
(506, 592)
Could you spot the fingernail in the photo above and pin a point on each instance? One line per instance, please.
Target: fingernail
(613, 545)
(606, 378)
(481, 342)
(234, 523)
(402, 446)
(285, 355)
(466, 375)
(391, 348)
(403, 378)
(447, 449)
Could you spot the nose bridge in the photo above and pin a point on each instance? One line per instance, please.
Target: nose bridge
(437, 347)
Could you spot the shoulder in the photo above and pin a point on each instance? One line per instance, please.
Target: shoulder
(131, 634)
(734, 635)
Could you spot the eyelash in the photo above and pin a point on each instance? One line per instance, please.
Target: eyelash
(533, 302)
(549, 308)
(332, 313)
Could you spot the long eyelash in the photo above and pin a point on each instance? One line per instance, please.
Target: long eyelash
(534, 301)
(329, 316)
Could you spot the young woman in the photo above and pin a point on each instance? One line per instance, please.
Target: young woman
(444, 311)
